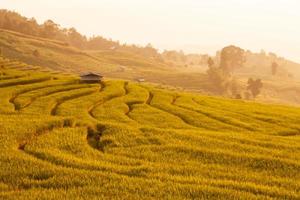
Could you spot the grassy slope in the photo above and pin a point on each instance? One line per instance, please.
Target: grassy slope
(53, 54)
(64, 140)
(117, 64)
(59, 56)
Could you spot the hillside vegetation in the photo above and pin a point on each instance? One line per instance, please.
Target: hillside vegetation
(62, 139)
(61, 57)
(50, 53)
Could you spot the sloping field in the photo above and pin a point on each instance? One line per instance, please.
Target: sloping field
(121, 64)
(59, 56)
(62, 139)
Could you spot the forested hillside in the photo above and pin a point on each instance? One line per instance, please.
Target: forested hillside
(70, 36)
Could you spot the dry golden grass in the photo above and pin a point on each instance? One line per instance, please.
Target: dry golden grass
(61, 139)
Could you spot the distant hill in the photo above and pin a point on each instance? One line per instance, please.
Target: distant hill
(256, 63)
(60, 56)
(13, 21)
(175, 69)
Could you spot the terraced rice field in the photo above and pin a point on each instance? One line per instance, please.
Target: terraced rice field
(62, 139)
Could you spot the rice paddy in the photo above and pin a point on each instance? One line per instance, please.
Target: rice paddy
(62, 139)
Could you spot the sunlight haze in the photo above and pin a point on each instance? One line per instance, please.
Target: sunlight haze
(196, 26)
(149, 99)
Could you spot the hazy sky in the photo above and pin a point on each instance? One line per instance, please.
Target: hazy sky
(193, 25)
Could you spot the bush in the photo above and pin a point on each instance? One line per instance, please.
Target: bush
(36, 53)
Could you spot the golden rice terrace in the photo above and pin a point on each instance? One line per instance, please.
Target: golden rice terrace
(62, 139)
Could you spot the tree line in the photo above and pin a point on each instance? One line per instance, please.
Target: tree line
(13, 21)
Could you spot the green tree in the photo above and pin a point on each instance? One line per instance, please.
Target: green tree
(36, 53)
(7, 23)
(254, 86)
(50, 29)
(218, 79)
(210, 62)
(247, 95)
(235, 88)
(231, 58)
(149, 51)
(274, 68)
(76, 39)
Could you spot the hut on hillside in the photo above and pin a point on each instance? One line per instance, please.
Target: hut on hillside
(140, 80)
(91, 77)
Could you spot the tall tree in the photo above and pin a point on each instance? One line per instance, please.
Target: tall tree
(50, 29)
(274, 68)
(219, 80)
(254, 86)
(76, 39)
(232, 57)
(7, 23)
(210, 62)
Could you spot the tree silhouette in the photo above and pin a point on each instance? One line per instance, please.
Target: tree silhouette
(75, 38)
(210, 62)
(50, 29)
(232, 57)
(254, 86)
(274, 68)
(36, 53)
(219, 80)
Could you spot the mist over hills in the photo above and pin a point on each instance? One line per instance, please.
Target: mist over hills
(93, 118)
(66, 50)
(13, 21)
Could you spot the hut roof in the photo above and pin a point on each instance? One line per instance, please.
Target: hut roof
(90, 74)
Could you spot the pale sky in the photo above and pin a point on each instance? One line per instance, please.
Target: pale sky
(197, 26)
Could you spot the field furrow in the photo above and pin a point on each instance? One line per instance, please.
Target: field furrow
(64, 139)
